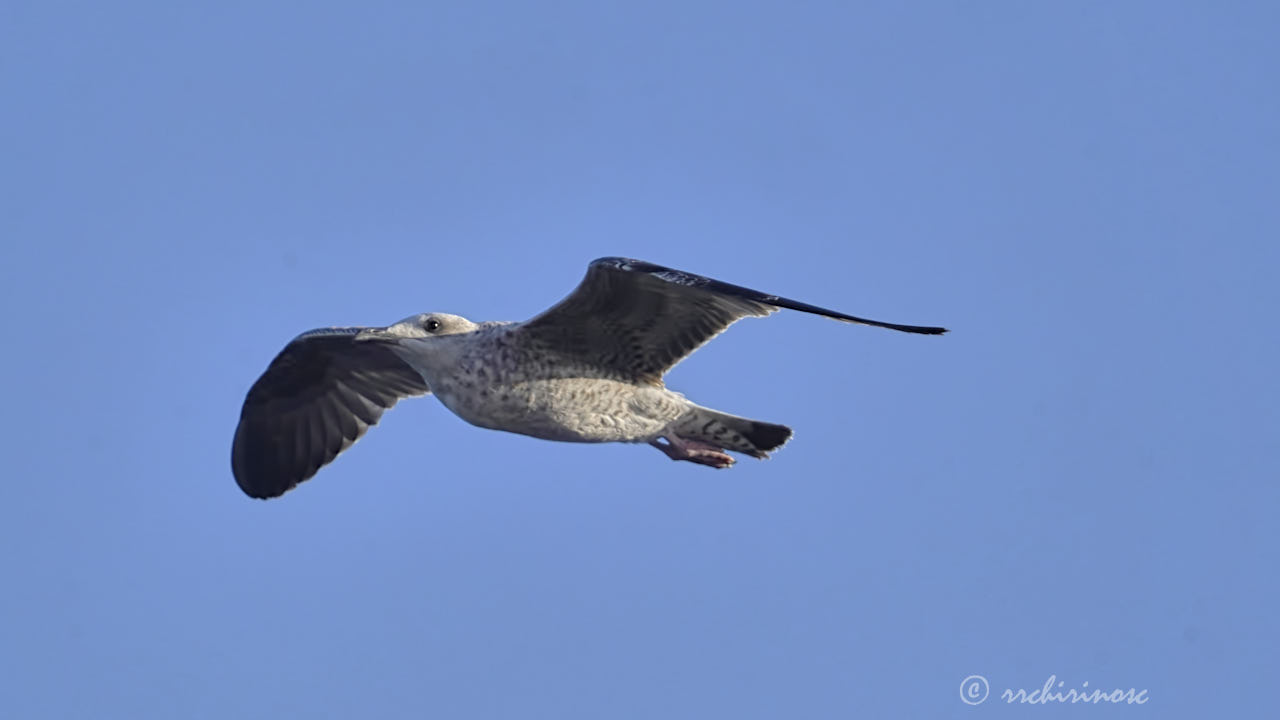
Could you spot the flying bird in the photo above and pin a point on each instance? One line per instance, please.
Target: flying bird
(589, 369)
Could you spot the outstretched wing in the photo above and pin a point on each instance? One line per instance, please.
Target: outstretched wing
(640, 319)
(316, 398)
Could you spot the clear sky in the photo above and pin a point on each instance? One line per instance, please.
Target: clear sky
(1080, 481)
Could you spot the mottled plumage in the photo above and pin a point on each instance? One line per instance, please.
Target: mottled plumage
(588, 369)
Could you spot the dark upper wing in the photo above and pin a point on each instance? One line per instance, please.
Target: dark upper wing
(318, 396)
(641, 319)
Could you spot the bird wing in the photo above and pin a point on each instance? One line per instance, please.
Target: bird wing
(316, 398)
(641, 319)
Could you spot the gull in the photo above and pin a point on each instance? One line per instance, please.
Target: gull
(589, 369)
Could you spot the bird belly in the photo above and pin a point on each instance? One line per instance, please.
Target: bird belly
(566, 409)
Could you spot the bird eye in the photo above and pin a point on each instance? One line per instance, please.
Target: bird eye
(432, 325)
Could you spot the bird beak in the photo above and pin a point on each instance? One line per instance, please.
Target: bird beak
(373, 334)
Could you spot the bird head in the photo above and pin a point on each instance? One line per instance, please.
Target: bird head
(422, 325)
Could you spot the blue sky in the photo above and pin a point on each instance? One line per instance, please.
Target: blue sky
(1078, 481)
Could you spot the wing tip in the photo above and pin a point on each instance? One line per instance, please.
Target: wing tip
(916, 329)
(260, 494)
(258, 483)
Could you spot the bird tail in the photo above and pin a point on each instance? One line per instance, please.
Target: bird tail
(739, 434)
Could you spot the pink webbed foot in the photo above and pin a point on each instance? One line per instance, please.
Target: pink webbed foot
(696, 451)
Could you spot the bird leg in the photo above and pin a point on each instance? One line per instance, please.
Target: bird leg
(696, 451)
